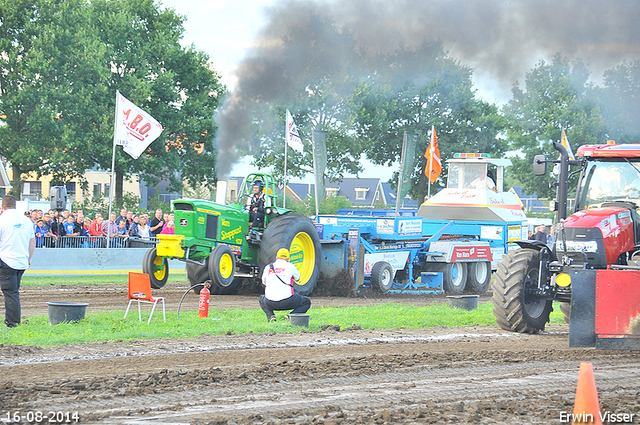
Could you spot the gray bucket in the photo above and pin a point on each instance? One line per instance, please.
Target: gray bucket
(464, 302)
(299, 319)
(60, 312)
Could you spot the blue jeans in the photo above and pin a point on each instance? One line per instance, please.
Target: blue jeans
(10, 284)
(297, 303)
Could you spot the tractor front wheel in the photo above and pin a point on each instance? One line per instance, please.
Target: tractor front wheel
(197, 273)
(222, 266)
(156, 267)
(515, 306)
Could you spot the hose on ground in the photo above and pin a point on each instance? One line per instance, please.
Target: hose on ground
(185, 294)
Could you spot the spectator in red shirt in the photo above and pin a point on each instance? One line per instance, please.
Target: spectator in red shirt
(96, 233)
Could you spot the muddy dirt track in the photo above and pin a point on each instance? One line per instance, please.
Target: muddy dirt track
(478, 375)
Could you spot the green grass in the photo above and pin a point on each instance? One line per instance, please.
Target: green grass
(89, 280)
(110, 326)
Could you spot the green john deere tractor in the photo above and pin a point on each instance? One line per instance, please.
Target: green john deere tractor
(218, 243)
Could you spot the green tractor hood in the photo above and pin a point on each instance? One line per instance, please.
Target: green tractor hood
(203, 223)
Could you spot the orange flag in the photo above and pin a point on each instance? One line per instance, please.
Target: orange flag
(434, 167)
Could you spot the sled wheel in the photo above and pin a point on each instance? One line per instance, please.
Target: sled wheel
(478, 277)
(382, 277)
(455, 278)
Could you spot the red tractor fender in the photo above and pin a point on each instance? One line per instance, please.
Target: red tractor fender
(537, 245)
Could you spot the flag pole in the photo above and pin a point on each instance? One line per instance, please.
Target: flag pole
(113, 165)
(401, 173)
(315, 169)
(286, 143)
(430, 163)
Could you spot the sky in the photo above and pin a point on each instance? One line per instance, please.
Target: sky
(500, 40)
(226, 30)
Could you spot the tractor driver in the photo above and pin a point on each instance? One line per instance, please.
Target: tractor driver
(256, 203)
(483, 181)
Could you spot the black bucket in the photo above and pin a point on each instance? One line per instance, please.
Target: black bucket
(60, 312)
(299, 319)
(464, 302)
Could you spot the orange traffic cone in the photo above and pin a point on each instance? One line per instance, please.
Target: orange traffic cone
(586, 409)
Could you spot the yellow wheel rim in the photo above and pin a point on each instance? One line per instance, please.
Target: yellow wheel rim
(303, 255)
(159, 268)
(225, 267)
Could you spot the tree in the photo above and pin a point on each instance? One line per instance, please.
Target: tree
(175, 85)
(51, 78)
(557, 96)
(619, 102)
(320, 108)
(366, 110)
(421, 88)
(329, 205)
(62, 63)
(316, 89)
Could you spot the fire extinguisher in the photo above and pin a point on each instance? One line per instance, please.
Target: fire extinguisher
(203, 306)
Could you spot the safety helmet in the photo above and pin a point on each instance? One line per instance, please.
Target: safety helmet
(258, 183)
(283, 253)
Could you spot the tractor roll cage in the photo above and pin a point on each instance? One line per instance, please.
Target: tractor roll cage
(270, 188)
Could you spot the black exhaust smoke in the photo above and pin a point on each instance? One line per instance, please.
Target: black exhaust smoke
(307, 40)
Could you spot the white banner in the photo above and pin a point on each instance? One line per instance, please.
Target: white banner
(397, 260)
(134, 129)
(411, 227)
(293, 137)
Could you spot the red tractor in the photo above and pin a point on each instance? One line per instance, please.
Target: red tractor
(599, 243)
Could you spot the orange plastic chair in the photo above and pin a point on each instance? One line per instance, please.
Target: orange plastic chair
(140, 290)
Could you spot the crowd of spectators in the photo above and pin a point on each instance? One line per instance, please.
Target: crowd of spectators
(66, 229)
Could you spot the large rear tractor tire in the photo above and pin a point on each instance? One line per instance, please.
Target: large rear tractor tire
(455, 278)
(197, 274)
(156, 267)
(478, 277)
(232, 289)
(382, 277)
(298, 234)
(514, 307)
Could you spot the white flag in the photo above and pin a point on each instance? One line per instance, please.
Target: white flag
(134, 129)
(292, 136)
(565, 143)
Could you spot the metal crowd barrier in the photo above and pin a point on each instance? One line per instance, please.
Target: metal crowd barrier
(93, 242)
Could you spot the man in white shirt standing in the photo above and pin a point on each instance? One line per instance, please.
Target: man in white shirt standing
(278, 278)
(17, 244)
